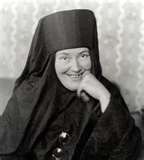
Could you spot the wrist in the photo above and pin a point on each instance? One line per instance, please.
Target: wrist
(104, 100)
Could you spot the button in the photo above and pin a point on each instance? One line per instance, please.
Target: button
(63, 137)
(63, 134)
(58, 152)
(55, 158)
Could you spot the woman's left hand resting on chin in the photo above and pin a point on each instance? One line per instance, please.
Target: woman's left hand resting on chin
(93, 87)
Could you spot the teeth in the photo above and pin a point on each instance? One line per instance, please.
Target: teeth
(77, 76)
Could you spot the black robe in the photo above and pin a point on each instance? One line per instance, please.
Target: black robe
(93, 135)
(111, 135)
(40, 108)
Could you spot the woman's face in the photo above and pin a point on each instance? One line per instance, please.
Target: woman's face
(70, 65)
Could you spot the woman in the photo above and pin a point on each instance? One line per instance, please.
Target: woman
(62, 107)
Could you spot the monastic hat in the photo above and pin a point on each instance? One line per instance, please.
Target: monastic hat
(69, 29)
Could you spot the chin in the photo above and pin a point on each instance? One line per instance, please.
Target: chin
(70, 84)
(72, 87)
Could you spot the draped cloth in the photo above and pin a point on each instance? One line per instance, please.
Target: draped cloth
(41, 107)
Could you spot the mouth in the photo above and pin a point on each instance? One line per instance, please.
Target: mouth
(76, 77)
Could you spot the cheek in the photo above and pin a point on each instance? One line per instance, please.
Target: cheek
(86, 64)
(60, 67)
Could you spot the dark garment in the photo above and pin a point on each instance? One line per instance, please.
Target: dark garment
(115, 133)
(109, 136)
(93, 135)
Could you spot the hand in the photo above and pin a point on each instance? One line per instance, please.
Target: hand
(93, 88)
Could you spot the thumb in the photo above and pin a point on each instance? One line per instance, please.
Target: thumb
(84, 96)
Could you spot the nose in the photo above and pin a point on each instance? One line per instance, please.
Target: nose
(75, 66)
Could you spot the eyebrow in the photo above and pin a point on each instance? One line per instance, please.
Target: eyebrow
(66, 53)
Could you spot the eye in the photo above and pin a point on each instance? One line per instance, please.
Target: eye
(85, 55)
(64, 58)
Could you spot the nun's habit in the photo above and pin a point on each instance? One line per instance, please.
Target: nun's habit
(44, 121)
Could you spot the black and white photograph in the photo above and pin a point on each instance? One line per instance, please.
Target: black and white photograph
(71, 80)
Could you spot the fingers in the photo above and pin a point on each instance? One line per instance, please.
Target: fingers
(81, 86)
(86, 73)
(79, 90)
(84, 96)
(81, 93)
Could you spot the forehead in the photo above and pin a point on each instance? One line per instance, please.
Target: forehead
(72, 50)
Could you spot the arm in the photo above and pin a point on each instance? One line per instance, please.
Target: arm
(125, 136)
(95, 89)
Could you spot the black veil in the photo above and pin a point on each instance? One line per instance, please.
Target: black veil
(38, 97)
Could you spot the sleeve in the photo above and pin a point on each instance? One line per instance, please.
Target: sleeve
(128, 147)
(129, 144)
(118, 137)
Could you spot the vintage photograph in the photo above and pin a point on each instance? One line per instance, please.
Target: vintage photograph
(71, 80)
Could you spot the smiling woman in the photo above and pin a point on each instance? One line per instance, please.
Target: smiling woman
(62, 108)
(70, 66)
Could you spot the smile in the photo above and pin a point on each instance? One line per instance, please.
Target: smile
(75, 76)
